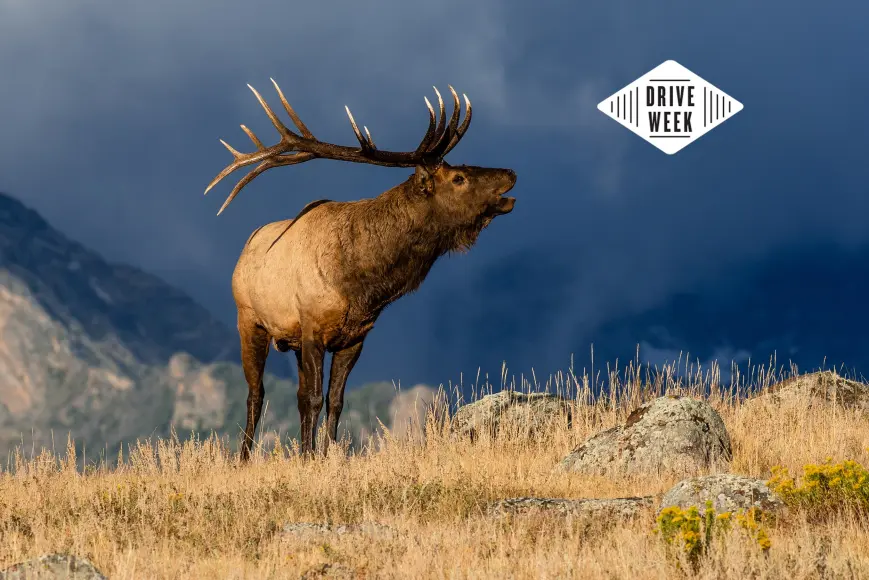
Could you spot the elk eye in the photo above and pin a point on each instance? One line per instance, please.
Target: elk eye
(458, 180)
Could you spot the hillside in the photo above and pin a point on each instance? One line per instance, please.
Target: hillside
(452, 507)
(109, 353)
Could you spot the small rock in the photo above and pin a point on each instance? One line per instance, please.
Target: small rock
(823, 386)
(329, 570)
(309, 528)
(671, 434)
(620, 508)
(727, 492)
(53, 567)
(528, 413)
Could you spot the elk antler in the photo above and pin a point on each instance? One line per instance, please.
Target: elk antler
(438, 141)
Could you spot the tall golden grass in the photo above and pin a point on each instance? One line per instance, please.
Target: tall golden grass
(187, 509)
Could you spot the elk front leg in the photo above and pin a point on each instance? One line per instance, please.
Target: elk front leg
(310, 394)
(342, 363)
(254, 350)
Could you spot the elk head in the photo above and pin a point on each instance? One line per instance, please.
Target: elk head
(466, 190)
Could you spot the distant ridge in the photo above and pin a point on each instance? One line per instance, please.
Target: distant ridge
(110, 353)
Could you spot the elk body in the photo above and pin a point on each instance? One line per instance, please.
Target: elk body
(318, 282)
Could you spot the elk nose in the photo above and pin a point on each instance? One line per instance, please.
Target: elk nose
(511, 175)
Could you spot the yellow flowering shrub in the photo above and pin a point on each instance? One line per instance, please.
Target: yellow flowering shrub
(694, 533)
(750, 522)
(825, 487)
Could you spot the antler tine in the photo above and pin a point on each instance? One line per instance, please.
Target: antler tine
(460, 132)
(291, 112)
(370, 140)
(430, 132)
(254, 138)
(442, 119)
(285, 132)
(439, 148)
(267, 164)
(229, 148)
(362, 142)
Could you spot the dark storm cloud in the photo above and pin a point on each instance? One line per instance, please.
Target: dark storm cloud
(628, 233)
(111, 114)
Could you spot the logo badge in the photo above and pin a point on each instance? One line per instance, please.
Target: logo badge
(670, 107)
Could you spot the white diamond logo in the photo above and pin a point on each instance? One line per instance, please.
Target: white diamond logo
(670, 107)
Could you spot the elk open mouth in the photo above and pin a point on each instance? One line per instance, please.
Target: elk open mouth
(505, 203)
(502, 205)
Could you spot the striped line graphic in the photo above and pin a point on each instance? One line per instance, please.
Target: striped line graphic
(626, 106)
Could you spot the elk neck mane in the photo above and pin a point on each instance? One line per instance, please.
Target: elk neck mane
(389, 244)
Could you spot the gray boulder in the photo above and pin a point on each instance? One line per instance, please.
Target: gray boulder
(727, 492)
(672, 434)
(527, 414)
(53, 567)
(604, 510)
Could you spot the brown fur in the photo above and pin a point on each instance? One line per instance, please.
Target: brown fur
(319, 282)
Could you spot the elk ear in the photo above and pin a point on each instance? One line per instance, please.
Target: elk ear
(424, 177)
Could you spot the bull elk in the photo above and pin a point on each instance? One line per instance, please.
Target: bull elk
(318, 282)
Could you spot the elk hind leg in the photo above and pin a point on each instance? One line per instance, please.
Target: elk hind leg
(254, 350)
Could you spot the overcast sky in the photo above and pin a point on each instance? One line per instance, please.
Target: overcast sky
(110, 115)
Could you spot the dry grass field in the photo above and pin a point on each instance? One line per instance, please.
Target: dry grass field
(189, 510)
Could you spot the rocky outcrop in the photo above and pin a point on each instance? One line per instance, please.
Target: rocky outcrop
(676, 435)
(825, 387)
(527, 414)
(53, 567)
(614, 509)
(84, 343)
(727, 492)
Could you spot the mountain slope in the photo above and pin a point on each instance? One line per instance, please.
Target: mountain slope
(106, 302)
(109, 353)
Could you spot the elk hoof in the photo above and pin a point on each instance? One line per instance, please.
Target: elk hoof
(282, 345)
